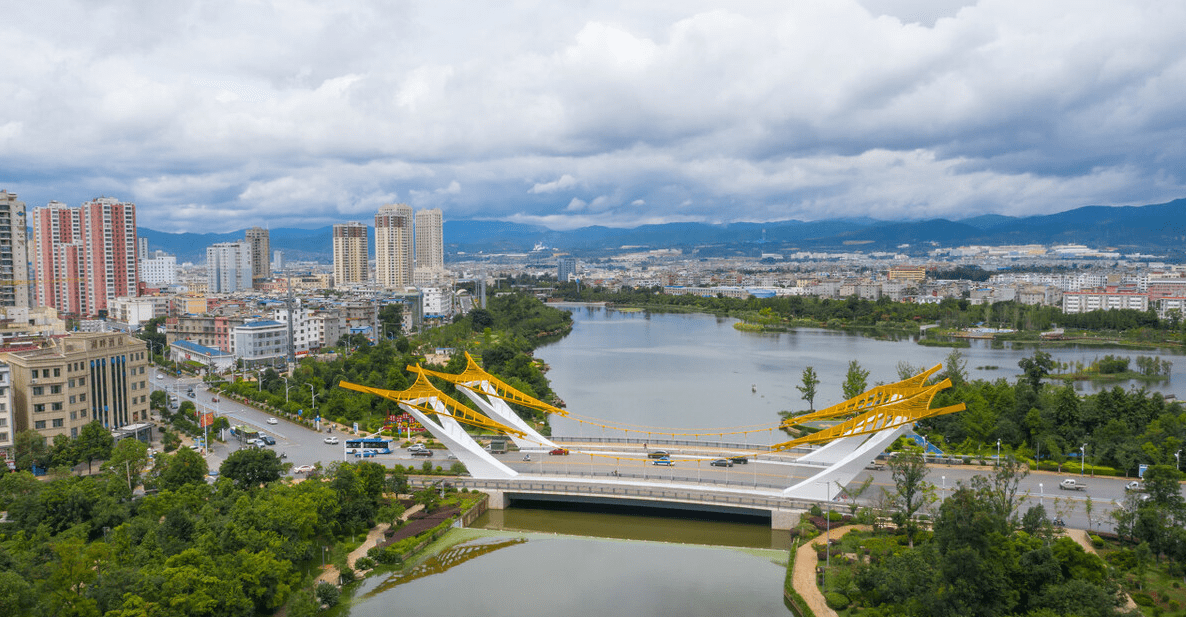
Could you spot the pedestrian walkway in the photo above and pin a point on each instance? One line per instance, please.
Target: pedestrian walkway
(329, 572)
(803, 577)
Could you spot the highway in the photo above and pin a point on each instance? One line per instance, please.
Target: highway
(768, 473)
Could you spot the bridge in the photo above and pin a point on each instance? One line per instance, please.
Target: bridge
(857, 431)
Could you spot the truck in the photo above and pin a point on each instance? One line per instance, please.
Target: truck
(1071, 484)
(498, 446)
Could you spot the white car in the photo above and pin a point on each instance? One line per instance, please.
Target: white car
(273, 421)
(331, 440)
(1133, 486)
(303, 469)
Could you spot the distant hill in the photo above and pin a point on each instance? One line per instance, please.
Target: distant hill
(1159, 228)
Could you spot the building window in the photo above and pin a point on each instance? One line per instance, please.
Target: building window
(38, 390)
(55, 389)
(57, 372)
(4, 436)
(82, 397)
(59, 422)
(3, 423)
(39, 424)
(71, 383)
(72, 399)
(55, 406)
(39, 407)
(81, 413)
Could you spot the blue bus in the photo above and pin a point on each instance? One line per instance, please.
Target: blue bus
(368, 446)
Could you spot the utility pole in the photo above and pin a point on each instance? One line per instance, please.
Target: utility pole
(291, 317)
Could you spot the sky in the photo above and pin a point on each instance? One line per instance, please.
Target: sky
(217, 115)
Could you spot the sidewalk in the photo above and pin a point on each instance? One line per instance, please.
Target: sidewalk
(329, 572)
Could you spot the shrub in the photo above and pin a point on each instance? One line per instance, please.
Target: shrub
(815, 510)
(1096, 541)
(364, 563)
(328, 594)
(835, 516)
(836, 601)
(1142, 599)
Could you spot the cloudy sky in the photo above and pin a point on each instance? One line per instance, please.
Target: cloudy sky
(221, 114)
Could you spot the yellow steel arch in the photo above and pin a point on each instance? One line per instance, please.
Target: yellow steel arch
(422, 392)
(474, 374)
(880, 418)
(880, 395)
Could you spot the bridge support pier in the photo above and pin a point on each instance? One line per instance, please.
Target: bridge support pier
(498, 499)
(785, 519)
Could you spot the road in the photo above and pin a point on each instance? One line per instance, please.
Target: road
(304, 446)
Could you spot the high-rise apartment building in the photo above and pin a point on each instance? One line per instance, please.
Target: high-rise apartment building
(14, 252)
(393, 246)
(159, 270)
(142, 248)
(350, 254)
(228, 267)
(566, 269)
(259, 240)
(85, 256)
(430, 241)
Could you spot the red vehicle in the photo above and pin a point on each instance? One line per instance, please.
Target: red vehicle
(559, 452)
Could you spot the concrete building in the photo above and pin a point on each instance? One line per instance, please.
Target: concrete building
(158, 270)
(1104, 298)
(430, 240)
(14, 253)
(27, 324)
(85, 256)
(437, 302)
(305, 337)
(7, 423)
(261, 342)
(214, 360)
(141, 248)
(277, 261)
(207, 330)
(393, 246)
(132, 311)
(259, 242)
(78, 379)
(351, 252)
(228, 267)
(566, 269)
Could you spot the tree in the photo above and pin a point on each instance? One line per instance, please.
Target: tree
(391, 320)
(176, 470)
(128, 459)
(94, 442)
(808, 389)
(31, 450)
(480, 319)
(909, 471)
(856, 381)
(1036, 367)
(956, 367)
(252, 467)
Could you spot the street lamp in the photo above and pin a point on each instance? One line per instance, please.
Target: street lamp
(1041, 496)
(286, 387)
(828, 537)
(1082, 457)
(944, 483)
(998, 453)
(314, 395)
(1178, 460)
(259, 379)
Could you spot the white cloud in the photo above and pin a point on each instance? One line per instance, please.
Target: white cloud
(301, 113)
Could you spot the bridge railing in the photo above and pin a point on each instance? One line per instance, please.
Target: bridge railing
(657, 493)
(658, 441)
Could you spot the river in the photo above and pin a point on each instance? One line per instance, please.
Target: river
(696, 373)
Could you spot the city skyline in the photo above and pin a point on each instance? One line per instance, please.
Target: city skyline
(617, 115)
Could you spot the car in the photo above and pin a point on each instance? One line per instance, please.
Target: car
(303, 469)
(722, 462)
(426, 453)
(257, 443)
(214, 399)
(740, 460)
(331, 440)
(1135, 485)
(658, 454)
(160, 375)
(190, 394)
(559, 452)
(268, 440)
(273, 421)
(417, 447)
(665, 462)
(875, 466)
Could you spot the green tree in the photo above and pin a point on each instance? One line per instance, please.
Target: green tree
(128, 459)
(808, 389)
(251, 467)
(855, 381)
(94, 442)
(31, 449)
(1036, 367)
(909, 471)
(956, 368)
(391, 320)
(174, 471)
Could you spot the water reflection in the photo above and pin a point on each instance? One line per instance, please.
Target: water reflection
(443, 561)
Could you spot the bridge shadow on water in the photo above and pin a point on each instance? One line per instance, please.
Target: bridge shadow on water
(671, 512)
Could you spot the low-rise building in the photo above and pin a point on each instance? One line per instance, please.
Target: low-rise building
(7, 432)
(213, 359)
(262, 342)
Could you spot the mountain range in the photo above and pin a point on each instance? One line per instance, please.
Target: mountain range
(1157, 229)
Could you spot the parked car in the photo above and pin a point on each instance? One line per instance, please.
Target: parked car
(425, 453)
(190, 394)
(417, 447)
(160, 375)
(214, 399)
(268, 440)
(740, 460)
(257, 443)
(559, 452)
(665, 462)
(1135, 485)
(722, 462)
(303, 469)
(273, 421)
(331, 440)
(658, 454)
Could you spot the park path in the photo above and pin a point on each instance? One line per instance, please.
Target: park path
(803, 577)
(329, 572)
(1080, 538)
